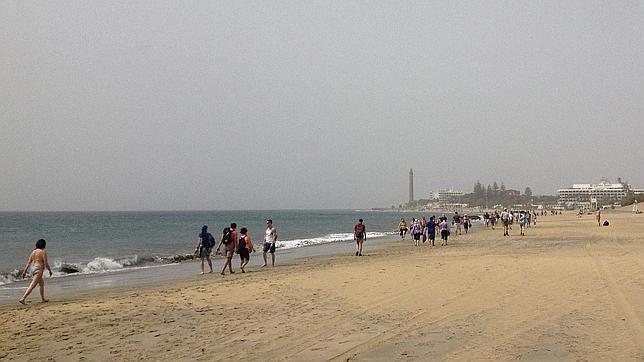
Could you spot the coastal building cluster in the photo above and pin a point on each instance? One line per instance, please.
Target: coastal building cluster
(604, 194)
(601, 194)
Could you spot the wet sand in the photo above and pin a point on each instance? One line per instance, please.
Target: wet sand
(568, 290)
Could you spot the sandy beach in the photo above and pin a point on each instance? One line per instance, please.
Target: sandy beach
(568, 290)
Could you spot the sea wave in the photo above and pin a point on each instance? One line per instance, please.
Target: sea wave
(99, 265)
(329, 238)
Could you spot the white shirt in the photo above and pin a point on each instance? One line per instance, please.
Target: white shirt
(268, 238)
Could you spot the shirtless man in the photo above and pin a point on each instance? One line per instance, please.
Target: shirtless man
(37, 259)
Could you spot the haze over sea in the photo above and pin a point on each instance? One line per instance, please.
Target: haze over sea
(102, 242)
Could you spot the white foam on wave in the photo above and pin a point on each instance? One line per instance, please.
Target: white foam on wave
(10, 277)
(329, 238)
(101, 264)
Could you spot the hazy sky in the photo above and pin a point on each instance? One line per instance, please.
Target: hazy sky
(155, 105)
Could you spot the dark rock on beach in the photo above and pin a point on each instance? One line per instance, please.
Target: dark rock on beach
(176, 258)
(69, 269)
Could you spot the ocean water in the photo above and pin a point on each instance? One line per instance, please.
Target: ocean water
(107, 242)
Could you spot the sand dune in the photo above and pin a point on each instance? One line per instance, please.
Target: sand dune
(569, 290)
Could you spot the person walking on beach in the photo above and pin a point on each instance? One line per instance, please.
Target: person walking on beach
(205, 242)
(416, 231)
(444, 227)
(513, 216)
(493, 219)
(359, 235)
(423, 231)
(457, 223)
(228, 241)
(486, 219)
(528, 217)
(244, 248)
(466, 223)
(523, 221)
(505, 219)
(431, 230)
(270, 237)
(402, 227)
(38, 261)
(599, 217)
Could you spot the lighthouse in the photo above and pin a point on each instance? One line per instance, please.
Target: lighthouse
(411, 185)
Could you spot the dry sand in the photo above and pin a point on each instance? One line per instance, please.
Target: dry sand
(569, 290)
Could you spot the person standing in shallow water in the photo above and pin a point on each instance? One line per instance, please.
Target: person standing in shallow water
(359, 235)
(38, 260)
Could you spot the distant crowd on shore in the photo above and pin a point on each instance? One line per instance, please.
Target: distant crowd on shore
(422, 230)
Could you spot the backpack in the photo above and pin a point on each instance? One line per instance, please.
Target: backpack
(415, 228)
(207, 241)
(241, 245)
(228, 238)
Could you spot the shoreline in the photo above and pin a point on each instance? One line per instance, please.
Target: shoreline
(168, 273)
(567, 290)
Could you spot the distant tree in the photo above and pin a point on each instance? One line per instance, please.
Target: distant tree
(478, 189)
(528, 191)
(630, 199)
(495, 192)
(623, 183)
(478, 196)
(502, 187)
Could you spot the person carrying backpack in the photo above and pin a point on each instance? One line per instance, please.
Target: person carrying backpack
(359, 235)
(205, 242)
(228, 241)
(416, 231)
(244, 248)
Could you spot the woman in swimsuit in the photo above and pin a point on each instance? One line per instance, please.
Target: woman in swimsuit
(37, 259)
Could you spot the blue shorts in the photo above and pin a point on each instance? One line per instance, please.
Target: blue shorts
(204, 252)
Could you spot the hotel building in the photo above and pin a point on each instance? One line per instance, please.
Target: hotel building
(603, 193)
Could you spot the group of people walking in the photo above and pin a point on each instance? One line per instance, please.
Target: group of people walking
(424, 230)
(231, 243)
(507, 218)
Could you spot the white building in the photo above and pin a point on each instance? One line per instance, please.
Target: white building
(449, 196)
(602, 193)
